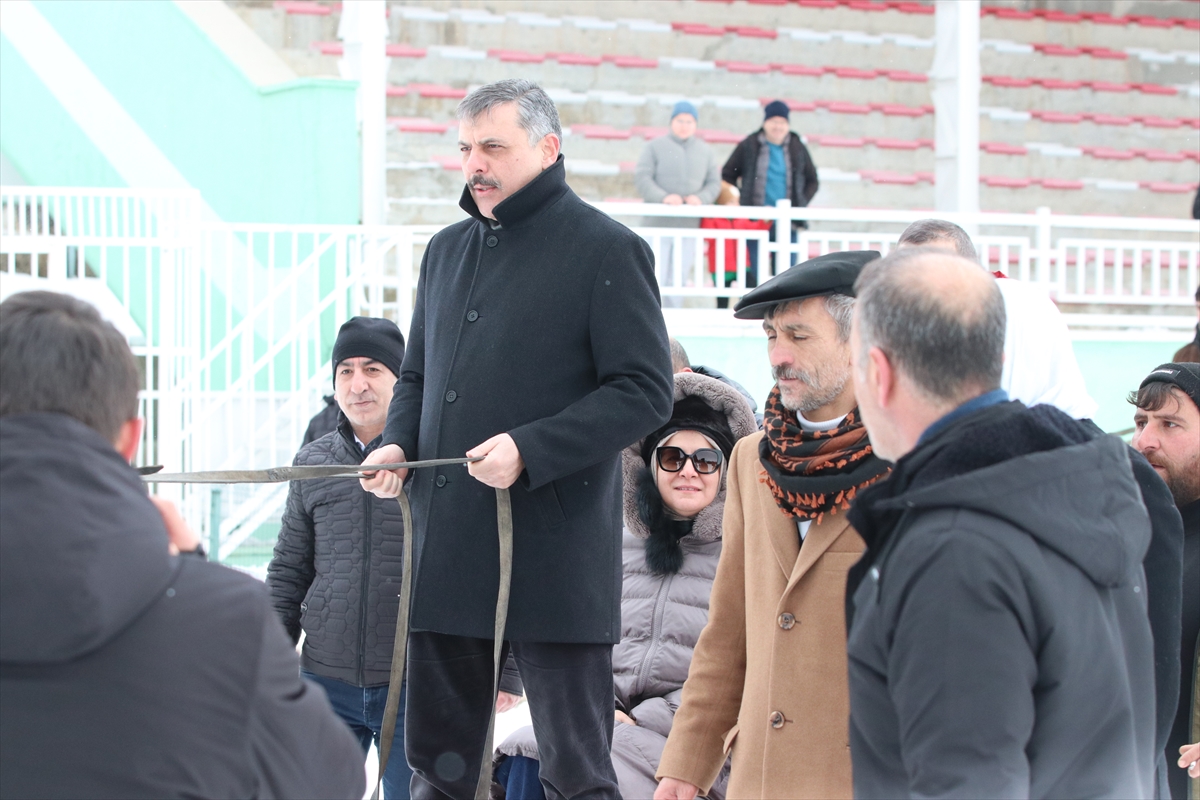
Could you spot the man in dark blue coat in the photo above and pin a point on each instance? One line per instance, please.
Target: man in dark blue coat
(537, 341)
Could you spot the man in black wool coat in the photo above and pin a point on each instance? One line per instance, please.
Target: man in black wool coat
(537, 340)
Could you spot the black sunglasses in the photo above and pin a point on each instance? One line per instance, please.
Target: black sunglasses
(706, 460)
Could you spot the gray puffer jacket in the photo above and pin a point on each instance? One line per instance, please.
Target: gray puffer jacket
(661, 615)
(337, 566)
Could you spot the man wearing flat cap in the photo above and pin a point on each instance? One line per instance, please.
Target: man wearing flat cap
(768, 678)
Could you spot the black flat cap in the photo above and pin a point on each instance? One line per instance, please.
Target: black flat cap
(832, 273)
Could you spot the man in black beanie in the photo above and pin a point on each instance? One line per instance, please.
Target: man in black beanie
(771, 164)
(1167, 423)
(337, 565)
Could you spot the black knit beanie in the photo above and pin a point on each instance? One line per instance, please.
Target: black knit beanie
(1185, 375)
(369, 337)
(693, 414)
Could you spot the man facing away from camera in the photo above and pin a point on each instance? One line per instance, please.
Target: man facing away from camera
(128, 669)
(537, 342)
(998, 640)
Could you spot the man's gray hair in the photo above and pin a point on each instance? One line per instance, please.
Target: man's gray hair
(839, 306)
(924, 231)
(536, 112)
(679, 356)
(947, 351)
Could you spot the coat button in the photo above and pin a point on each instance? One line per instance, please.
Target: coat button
(472, 315)
(787, 621)
(441, 481)
(492, 241)
(451, 396)
(776, 719)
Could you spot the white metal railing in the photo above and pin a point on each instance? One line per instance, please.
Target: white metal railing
(234, 324)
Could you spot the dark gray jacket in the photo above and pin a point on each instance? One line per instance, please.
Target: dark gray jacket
(549, 329)
(128, 672)
(745, 164)
(337, 566)
(999, 644)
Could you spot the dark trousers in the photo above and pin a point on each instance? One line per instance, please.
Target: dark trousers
(361, 708)
(450, 698)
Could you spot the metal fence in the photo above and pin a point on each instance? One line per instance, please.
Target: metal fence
(233, 324)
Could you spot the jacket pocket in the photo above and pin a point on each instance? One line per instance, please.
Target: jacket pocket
(727, 744)
(546, 499)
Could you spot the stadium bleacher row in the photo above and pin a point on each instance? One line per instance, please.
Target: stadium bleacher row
(1084, 112)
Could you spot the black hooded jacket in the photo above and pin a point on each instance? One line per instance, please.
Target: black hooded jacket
(126, 671)
(999, 644)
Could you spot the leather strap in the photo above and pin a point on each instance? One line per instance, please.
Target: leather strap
(504, 524)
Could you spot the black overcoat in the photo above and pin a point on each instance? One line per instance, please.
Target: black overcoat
(548, 328)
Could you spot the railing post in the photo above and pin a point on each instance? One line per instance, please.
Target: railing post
(214, 525)
(783, 238)
(1045, 257)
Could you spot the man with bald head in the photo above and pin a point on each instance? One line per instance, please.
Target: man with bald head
(998, 642)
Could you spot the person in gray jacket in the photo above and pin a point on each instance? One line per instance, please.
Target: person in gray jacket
(677, 168)
(674, 498)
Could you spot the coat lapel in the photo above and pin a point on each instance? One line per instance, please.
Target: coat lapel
(820, 536)
(781, 530)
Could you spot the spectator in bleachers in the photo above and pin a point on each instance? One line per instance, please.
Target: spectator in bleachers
(674, 497)
(729, 196)
(770, 165)
(129, 666)
(677, 168)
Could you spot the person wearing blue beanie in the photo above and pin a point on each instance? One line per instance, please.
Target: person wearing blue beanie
(684, 107)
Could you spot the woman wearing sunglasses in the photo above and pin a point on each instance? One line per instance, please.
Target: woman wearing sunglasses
(674, 487)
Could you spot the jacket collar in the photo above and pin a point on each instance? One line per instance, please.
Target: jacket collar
(539, 193)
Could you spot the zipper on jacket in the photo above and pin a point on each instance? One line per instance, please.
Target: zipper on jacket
(656, 624)
(366, 580)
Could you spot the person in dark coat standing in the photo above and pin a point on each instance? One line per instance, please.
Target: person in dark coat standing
(770, 165)
(335, 573)
(129, 666)
(998, 638)
(537, 341)
(1167, 433)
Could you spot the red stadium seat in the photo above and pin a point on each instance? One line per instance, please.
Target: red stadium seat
(601, 132)
(758, 33)
(1163, 155)
(329, 48)
(1007, 82)
(720, 137)
(897, 110)
(575, 59)
(1062, 16)
(419, 125)
(897, 144)
(438, 91)
(1055, 83)
(1060, 183)
(1110, 119)
(648, 131)
(697, 29)
(817, 3)
(838, 141)
(633, 62)
(517, 56)
(927, 177)
(1110, 86)
(1107, 19)
(1056, 116)
(1161, 122)
(1155, 88)
(1004, 149)
(1104, 52)
(866, 5)
(1154, 22)
(1057, 50)
(745, 66)
(1109, 153)
(798, 69)
(1012, 13)
(1005, 182)
(853, 72)
(914, 8)
(303, 7)
(793, 105)
(839, 107)
(1165, 187)
(905, 76)
(397, 91)
(404, 51)
(893, 178)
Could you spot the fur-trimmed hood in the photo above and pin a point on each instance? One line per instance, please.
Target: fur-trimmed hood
(720, 397)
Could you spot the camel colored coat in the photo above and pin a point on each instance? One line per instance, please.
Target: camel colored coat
(768, 678)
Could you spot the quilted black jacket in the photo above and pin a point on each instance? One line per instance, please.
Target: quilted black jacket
(337, 566)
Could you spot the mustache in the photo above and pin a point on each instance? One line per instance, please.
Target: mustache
(480, 180)
(792, 375)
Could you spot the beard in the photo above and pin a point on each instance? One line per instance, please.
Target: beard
(1183, 480)
(818, 390)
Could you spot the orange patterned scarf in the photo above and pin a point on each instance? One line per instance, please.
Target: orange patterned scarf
(813, 473)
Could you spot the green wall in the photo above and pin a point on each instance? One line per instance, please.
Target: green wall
(286, 153)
